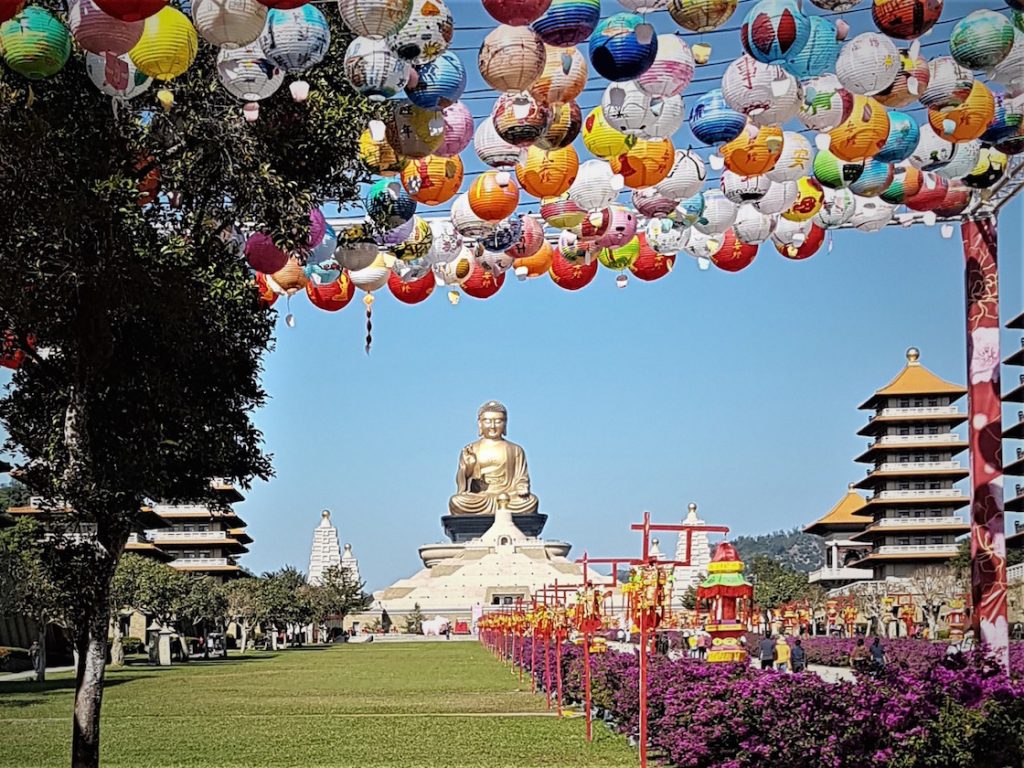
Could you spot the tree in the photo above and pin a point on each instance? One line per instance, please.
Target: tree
(14, 494)
(817, 601)
(869, 600)
(338, 595)
(689, 598)
(245, 606)
(774, 584)
(139, 322)
(201, 606)
(287, 599)
(414, 621)
(144, 585)
(934, 586)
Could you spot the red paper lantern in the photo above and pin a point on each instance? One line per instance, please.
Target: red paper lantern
(931, 194)
(810, 246)
(482, 283)
(516, 13)
(130, 10)
(11, 353)
(267, 295)
(651, 265)
(734, 255)
(283, 5)
(331, 297)
(8, 8)
(531, 241)
(569, 275)
(957, 198)
(414, 291)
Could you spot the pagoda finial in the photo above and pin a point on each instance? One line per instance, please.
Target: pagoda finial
(849, 487)
(913, 356)
(325, 513)
(692, 507)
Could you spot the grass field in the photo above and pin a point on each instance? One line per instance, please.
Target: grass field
(409, 705)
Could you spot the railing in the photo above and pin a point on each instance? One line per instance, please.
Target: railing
(914, 466)
(181, 509)
(946, 437)
(896, 522)
(919, 410)
(896, 549)
(1015, 573)
(189, 535)
(922, 493)
(139, 538)
(202, 562)
(836, 574)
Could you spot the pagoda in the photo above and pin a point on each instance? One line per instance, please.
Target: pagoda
(692, 547)
(1014, 465)
(725, 589)
(911, 510)
(836, 528)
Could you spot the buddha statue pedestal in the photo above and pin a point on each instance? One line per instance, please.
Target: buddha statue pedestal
(463, 528)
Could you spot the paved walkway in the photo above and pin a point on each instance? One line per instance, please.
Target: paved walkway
(11, 677)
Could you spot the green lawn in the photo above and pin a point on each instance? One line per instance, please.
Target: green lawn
(409, 705)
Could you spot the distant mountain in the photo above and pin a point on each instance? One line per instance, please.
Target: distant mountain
(800, 551)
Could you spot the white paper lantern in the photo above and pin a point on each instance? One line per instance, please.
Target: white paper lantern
(666, 236)
(778, 198)
(374, 69)
(492, 149)
(743, 189)
(229, 23)
(456, 270)
(627, 108)
(791, 233)
(868, 64)
(446, 243)
(295, 39)
(672, 69)
(825, 103)
(426, 35)
(719, 213)
(752, 226)
(837, 208)
(1009, 73)
(247, 74)
(668, 116)
(932, 150)
(949, 84)
(966, 156)
(871, 214)
(703, 246)
(686, 177)
(374, 18)
(838, 6)
(96, 32)
(466, 222)
(116, 76)
(371, 278)
(766, 93)
(495, 262)
(797, 158)
(596, 186)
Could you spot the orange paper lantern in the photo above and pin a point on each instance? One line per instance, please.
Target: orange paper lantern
(491, 199)
(967, 121)
(755, 151)
(547, 174)
(266, 295)
(863, 133)
(433, 179)
(537, 264)
(645, 163)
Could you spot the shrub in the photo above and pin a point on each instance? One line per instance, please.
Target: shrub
(14, 659)
(133, 645)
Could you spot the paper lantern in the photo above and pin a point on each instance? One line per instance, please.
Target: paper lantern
(731, 255)
(411, 291)
(291, 278)
(439, 82)
(685, 178)
(388, 204)
(295, 39)
(458, 129)
(371, 278)
(374, 18)
(374, 70)
(789, 232)
(622, 47)
(564, 126)
(779, 197)
(837, 208)
(713, 121)
(229, 23)
(744, 189)
(495, 262)
(863, 133)
(97, 32)
(332, 296)
(833, 173)
(649, 264)
(458, 269)
(446, 241)
(433, 179)
(868, 63)
(131, 10)
(547, 174)
(378, 156)
(689, 211)
(902, 139)
(493, 198)
(774, 29)
(875, 178)
(622, 226)
(571, 275)
(990, 168)
(10, 7)
(34, 43)
(263, 255)
(766, 93)
(671, 71)
(414, 131)
(818, 55)
(967, 121)
(826, 104)
(504, 235)
(600, 138)
(752, 226)
(906, 182)
(754, 151)
(266, 295)
(116, 76)
(932, 150)
(718, 215)
(511, 58)
(519, 119)
(1009, 72)
(568, 22)
(356, 248)
(622, 257)
(649, 203)
(981, 39)
(530, 239)
(596, 185)
(417, 245)
(563, 77)
(701, 15)
(538, 264)
(966, 155)
(809, 244)
(931, 194)
(949, 84)
(701, 246)
(516, 13)
(665, 235)
(667, 116)
(426, 35)
(561, 212)
(911, 81)
(956, 201)
(808, 202)
(482, 283)
(631, 111)
(796, 160)
(645, 163)
(905, 19)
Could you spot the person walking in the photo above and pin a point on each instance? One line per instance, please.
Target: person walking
(782, 654)
(799, 656)
(766, 651)
(860, 658)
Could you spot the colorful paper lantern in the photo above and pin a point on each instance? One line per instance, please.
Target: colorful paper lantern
(650, 203)
(356, 248)
(868, 64)
(35, 44)
(766, 93)
(458, 129)
(446, 241)
(905, 19)
(701, 15)
(834, 173)
(818, 55)
(417, 245)
(492, 149)
(411, 291)
(966, 155)
(902, 139)
(731, 255)
(97, 32)
(796, 160)
(495, 262)
(754, 151)
(779, 197)
(295, 39)
(906, 182)
(837, 208)
(712, 121)
(568, 22)
(536, 265)
(774, 29)
(665, 235)
(701, 246)
(1009, 72)
(503, 236)
(563, 78)
(414, 131)
(809, 245)
(631, 111)
(388, 204)
(981, 39)
(596, 185)
(863, 133)
(229, 23)
(622, 257)
(116, 76)
(511, 58)
(649, 264)
(645, 163)
(374, 18)
(967, 121)
(530, 239)
(622, 47)
(374, 69)
(519, 119)
(808, 202)
(932, 151)
(458, 269)
(875, 178)
(949, 84)
(516, 13)
(743, 189)
(266, 295)
(131, 10)
(956, 201)
(564, 126)
(910, 83)
(426, 35)
(990, 168)
(332, 296)
(548, 173)
(600, 138)
(826, 103)
(378, 156)
(671, 71)
(492, 197)
(439, 82)
(718, 214)
(433, 179)
(561, 212)
(931, 194)
(752, 226)
(621, 227)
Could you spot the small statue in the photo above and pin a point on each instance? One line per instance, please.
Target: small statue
(490, 467)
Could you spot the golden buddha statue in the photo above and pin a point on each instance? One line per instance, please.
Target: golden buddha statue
(491, 467)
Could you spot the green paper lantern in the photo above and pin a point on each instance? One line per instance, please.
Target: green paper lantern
(622, 257)
(35, 43)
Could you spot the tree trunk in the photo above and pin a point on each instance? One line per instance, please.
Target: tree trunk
(245, 637)
(91, 644)
(41, 659)
(116, 646)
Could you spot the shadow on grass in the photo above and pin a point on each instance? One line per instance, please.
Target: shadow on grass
(61, 684)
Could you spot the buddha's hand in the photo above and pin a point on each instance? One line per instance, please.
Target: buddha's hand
(523, 489)
(468, 460)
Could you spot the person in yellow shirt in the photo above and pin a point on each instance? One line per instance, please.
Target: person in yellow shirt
(782, 654)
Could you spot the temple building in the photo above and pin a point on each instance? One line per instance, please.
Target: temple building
(687, 576)
(911, 512)
(1013, 465)
(326, 550)
(350, 563)
(201, 540)
(842, 521)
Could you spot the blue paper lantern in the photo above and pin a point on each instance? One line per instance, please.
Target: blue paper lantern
(689, 211)
(568, 22)
(440, 82)
(774, 30)
(904, 134)
(388, 205)
(1007, 121)
(623, 47)
(818, 55)
(295, 39)
(873, 180)
(713, 121)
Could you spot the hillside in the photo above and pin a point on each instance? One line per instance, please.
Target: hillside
(800, 551)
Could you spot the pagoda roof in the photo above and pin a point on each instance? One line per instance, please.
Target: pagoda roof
(877, 530)
(1017, 322)
(915, 379)
(843, 516)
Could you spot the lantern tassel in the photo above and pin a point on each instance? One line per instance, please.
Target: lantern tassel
(368, 301)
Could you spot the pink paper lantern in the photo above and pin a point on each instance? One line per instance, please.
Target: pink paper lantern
(516, 13)
(98, 32)
(263, 255)
(458, 129)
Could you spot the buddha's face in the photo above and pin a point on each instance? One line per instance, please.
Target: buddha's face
(492, 424)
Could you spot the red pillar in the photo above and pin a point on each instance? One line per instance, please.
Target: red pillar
(984, 425)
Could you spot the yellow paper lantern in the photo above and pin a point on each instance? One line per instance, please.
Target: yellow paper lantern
(645, 163)
(168, 45)
(547, 174)
(754, 151)
(810, 197)
(863, 134)
(538, 264)
(379, 156)
(601, 139)
(967, 121)
(433, 179)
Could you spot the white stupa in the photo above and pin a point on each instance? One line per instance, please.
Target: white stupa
(700, 553)
(326, 551)
(350, 563)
